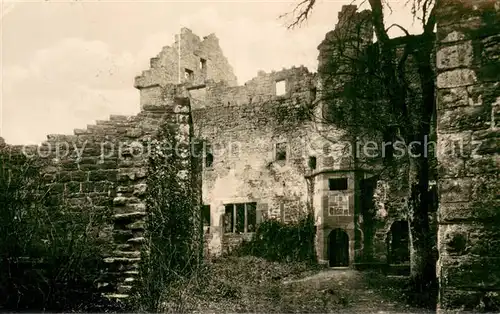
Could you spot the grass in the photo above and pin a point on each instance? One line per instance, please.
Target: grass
(394, 287)
(399, 289)
(250, 284)
(254, 285)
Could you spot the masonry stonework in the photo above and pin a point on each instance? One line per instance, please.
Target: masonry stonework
(104, 168)
(263, 158)
(468, 84)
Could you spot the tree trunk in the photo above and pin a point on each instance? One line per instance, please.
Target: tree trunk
(424, 270)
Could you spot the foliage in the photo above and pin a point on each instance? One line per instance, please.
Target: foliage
(276, 241)
(247, 284)
(355, 95)
(173, 227)
(401, 289)
(50, 257)
(255, 285)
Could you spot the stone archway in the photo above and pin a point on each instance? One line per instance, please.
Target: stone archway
(398, 245)
(338, 248)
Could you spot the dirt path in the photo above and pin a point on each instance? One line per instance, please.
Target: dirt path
(362, 299)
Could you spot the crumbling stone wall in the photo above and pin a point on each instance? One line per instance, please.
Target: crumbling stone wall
(338, 209)
(243, 125)
(354, 30)
(352, 38)
(104, 167)
(468, 138)
(105, 164)
(186, 54)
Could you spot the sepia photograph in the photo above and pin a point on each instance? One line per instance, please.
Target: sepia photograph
(250, 156)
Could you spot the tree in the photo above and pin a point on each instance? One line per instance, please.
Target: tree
(398, 76)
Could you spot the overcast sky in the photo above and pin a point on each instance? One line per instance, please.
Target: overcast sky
(67, 63)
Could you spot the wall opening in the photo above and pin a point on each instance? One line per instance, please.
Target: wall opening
(338, 248)
(312, 162)
(205, 215)
(203, 67)
(209, 156)
(282, 211)
(280, 151)
(280, 87)
(314, 92)
(188, 74)
(337, 184)
(240, 217)
(398, 244)
(228, 218)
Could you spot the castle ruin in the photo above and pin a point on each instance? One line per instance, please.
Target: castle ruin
(263, 160)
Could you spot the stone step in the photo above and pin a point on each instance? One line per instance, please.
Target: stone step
(129, 216)
(119, 117)
(124, 260)
(116, 296)
(122, 289)
(137, 240)
(122, 200)
(128, 254)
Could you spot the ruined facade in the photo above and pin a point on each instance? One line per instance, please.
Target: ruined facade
(264, 159)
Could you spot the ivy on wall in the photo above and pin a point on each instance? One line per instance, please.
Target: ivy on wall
(172, 251)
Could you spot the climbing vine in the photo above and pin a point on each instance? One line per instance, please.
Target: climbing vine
(172, 249)
(277, 241)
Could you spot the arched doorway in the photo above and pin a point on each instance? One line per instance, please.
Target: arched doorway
(338, 248)
(398, 243)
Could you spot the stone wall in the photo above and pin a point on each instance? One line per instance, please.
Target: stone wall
(468, 82)
(104, 168)
(242, 126)
(190, 61)
(352, 32)
(366, 229)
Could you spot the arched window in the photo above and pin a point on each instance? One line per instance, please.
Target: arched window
(398, 244)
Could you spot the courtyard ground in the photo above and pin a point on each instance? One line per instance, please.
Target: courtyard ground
(253, 285)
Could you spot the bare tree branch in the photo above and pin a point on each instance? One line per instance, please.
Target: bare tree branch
(398, 26)
(304, 8)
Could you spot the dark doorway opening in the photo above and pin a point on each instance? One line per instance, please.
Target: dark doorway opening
(338, 248)
(399, 245)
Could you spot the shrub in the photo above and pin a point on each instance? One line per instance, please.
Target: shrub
(173, 227)
(50, 257)
(276, 241)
